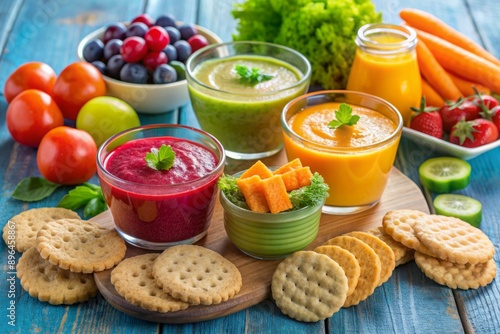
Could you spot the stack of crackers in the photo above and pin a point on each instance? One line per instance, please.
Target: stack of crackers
(447, 250)
(313, 285)
(180, 276)
(60, 253)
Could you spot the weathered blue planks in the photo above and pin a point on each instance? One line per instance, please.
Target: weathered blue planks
(408, 303)
(476, 19)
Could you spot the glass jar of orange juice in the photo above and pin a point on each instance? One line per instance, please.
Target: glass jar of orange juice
(385, 65)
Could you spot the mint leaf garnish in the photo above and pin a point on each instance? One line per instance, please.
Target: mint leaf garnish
(32, 189)
(344, 117)
(251, 76)
(161, 159)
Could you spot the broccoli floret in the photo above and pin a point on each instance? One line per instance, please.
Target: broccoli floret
(322, 30)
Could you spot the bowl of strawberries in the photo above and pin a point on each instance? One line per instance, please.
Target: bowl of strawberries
(464, 128)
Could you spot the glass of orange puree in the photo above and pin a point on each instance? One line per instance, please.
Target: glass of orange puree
(386, 65)
(355, 160)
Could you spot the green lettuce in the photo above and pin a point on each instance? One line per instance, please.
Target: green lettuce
(323, 31)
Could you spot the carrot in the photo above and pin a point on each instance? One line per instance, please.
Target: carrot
(435, 74)
(462, 62)
(465, 85)
(254, 195)
(429, 23)
(432, 98)
(275, 192)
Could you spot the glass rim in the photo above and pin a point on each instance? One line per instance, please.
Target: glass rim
(364, 41)
(185, 186)
(303, 80)
(341, 150)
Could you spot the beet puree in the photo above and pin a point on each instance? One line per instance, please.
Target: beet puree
(161, 206)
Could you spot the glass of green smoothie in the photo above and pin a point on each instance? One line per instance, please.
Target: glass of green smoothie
(239, 89)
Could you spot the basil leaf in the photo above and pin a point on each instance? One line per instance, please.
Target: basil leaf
(77, 197)
(94, 207)
(34, 189)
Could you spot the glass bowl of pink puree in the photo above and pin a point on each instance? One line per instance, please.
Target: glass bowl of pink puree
(155, 209)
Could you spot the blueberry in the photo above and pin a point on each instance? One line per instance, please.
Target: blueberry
(164, 74)
(134, 73)
(114, 30)
(174, 34)
(137, 29)
(112, 48)
(171, 52)
(114, 66)
(167, 20)
(93, 50)
(100, 66)
(187, 30)
(183, 50)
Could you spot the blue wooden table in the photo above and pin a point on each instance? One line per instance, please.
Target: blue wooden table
(50, 30)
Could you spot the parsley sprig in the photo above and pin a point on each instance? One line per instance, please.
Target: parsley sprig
(344, 117)
(161, 159)
(251, 76)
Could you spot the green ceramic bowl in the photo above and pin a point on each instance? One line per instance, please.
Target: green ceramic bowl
(270, 236)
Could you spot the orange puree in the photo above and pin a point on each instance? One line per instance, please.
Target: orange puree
(394, 78)
(355, 161)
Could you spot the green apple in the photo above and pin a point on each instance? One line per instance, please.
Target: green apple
(105, 116)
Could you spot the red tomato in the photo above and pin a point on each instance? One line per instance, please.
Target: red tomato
(32, 114)
(67, 156)
(78, 83)
(32, 75)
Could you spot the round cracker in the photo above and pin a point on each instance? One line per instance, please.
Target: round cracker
(196, 275)
(369, 264)
(80, 245)
(462, 276)
(308, 286)
(133, 280)
(51, 284)
(399, 225)
(24, 226)
(384, 252)
(454, 240)
(402, 254)
(346, 260)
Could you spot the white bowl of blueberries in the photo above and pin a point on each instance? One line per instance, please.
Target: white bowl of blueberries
(143, 61)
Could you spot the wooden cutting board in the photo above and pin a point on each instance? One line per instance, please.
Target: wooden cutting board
(401, 193)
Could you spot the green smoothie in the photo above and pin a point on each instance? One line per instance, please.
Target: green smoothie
(245, 118)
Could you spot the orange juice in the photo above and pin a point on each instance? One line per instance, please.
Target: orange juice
(355, 161)
(386, 65)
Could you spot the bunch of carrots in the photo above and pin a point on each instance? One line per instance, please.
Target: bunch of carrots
(451, 64)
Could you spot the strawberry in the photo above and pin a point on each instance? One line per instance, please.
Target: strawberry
(483, 101)
(473, 133)
(452, 112)
(427, 120)
(493, 115)
(490, 108)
